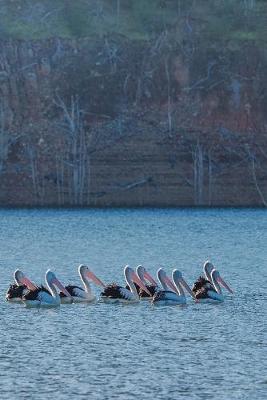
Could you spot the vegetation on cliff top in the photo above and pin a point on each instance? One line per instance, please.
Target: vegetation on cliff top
(227, 20)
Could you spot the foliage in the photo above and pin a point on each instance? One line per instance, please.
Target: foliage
(212, 20)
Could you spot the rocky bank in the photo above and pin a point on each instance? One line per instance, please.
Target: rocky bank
(116, 122)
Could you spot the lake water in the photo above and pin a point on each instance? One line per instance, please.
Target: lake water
(103, 351)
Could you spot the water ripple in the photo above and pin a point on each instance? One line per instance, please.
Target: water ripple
(100, 351)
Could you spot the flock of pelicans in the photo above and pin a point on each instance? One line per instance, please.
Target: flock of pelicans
(140, 285)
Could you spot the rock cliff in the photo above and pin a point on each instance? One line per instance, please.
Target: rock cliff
(116, 121)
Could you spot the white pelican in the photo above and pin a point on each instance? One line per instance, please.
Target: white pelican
(79, 295)
(214, 293)
(114, 293)
(204, 282)
(164, 280)
(19, 288)
(177, 295)
(145, 277)
(41, 297)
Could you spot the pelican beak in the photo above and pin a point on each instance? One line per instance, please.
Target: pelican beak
(61, 287)
(138, 281)
(170, 284)
(186, 286)
(224, 284)
(149, 278)
(28, 283)
(90, 275)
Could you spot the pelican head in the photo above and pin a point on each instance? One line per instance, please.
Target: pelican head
(208, 267)
(177, 278)
(84, 271)
(177, 275)
(217, 278)
(165, 281)
(144, 275)
(51, 279)
(21, 279)
(131, 276)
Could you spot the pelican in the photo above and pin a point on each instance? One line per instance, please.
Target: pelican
(22, 284)
(114, 293)
(204, 282)
(174, 296)
(214, 293)
(79, 295)
(145, 277)
(41, 297)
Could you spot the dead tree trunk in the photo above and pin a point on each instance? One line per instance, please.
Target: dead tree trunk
(210, 177)
(60, 174)
(254, 177)
(33, 172)
(4, 140)
(77, 158)
(198, 174)
(169, 105)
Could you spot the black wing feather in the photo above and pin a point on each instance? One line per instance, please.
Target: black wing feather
(113, 291)
(202, 293)
(32, 294)
(200, 283)
(152, 289)
(15, 291)
(70, 289)
(161, 295)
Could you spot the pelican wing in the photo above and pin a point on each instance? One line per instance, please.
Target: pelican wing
(115, 291)
(74, 291)
(15, 291)
(110, 290)
(79, 292)
(34, 294)
(212, 294)
(45, 297)
(205, 292)
(200, 284)
(164, 295)
(152, 289)
(126, 294)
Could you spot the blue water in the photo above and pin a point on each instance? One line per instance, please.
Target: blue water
(103, 351)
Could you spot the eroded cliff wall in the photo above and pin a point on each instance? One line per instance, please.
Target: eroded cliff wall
(109, 120)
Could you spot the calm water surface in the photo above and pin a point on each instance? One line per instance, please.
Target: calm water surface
(107, 351)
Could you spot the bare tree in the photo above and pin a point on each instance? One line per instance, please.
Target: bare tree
(60, 178)
(6, 139)
(34, 173)
(169, 106)
(253, 159)
(76, 158)
(210, 176)
(112, 51)
(198, 159)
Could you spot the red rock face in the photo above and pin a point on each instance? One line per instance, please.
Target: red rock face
(118, 123)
